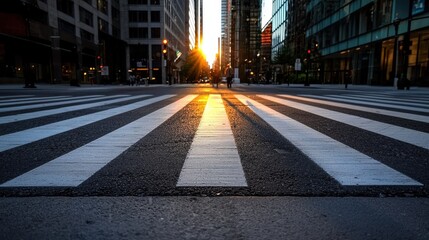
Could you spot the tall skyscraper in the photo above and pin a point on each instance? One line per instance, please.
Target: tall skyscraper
(149, 23)
(245, 38)
(190, 24)
(225, 33)
(199, 22)
(94, 41)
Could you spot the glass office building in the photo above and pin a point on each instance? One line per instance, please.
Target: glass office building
(370, 39)
(279, 25)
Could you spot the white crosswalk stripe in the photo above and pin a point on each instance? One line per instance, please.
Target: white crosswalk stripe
(56, 102)
(386, 100)
(386, 104)
(213, 159)
(17, 139)
(346, 165)
(390, 99)
(15, 97)
(44, 113)
(410, 116)
(410, 136)
(75, 167)
(31, 100)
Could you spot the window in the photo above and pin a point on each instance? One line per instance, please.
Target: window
(102, 6)
(137, 2)
(154, 2)
(116, 32)
(103, 26)
(86, 16)
(86, 35)
(155, 16)
(115, 14)
(66, 27)
(138, 32)
(66, 6)
(155, 33)
(137, 16)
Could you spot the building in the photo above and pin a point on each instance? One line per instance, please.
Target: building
(378, 41)
(279, 26)
(61, 41)
(199, 20)
(149, 23)
(245, 38)
(225, 33)
(295, 27)
(264, 60)
(89, 41)
(190, 26)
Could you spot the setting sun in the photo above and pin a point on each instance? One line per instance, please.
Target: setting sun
(212, 29)
(210, 51)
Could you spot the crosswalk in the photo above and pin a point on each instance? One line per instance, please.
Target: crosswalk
(213, 159)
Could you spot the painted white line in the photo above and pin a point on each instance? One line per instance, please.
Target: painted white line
(213, 158)
(57, 101)
(420, 139)
(398, 101)
(369, 103)
(343, 163)
(393, 99)
(17, 139)
(44, 113)
(14, 97)
(73, 168)
(410, 116)
(31, 100)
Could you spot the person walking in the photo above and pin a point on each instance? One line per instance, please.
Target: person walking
(347, 77)
(229, 74)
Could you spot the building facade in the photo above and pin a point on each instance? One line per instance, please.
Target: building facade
(279, 26)
(226, 33)
(295, 36)
(61, 41)
(264, 60)
(245, 38)
(94, 41)
(378, 41)
(149, 23)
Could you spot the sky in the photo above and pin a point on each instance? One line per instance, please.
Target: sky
(211, 28)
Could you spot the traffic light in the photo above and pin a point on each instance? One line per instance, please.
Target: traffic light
(164, 47)
(99, 62)
(309, 52)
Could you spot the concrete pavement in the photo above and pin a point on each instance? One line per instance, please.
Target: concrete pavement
(214, 218)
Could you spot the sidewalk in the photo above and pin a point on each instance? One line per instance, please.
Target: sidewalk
(337, 87)
(45, 86)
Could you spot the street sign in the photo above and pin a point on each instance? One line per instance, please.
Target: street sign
(105, 71)
(298, 64)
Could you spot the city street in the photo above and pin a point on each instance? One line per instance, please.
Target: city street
(198, 162)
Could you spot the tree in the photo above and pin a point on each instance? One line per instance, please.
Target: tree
(284, 56)
(194, 65)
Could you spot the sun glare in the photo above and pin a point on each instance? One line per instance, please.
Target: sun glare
(209, 51)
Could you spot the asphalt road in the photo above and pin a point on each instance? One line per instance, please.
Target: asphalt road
(131, 191)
